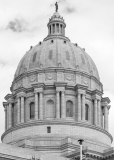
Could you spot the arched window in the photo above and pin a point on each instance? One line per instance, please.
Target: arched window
(50, 109)
(69, 109)
(32, 110)
(86, 112)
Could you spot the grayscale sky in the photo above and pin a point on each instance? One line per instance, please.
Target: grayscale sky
(90, 23)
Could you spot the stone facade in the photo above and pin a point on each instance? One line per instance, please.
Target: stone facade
(56, 99)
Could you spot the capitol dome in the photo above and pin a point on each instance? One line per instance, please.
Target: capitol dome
(57, 51)
(56, 98)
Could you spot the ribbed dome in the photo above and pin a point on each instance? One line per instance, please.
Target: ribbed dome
(54, 53)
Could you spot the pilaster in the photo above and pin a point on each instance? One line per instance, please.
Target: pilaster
(83, 107)
(63, 105)
(36, 105)
(79, 107)
(18, 109)
(5, 104)
(57, 104)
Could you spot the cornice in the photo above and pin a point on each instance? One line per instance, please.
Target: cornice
(8, 96)
(56, 37)
(60, 84)
(82, 87)
(6, 156)
(20, 89)
(56, 69)
(97, 92)
(106, 100)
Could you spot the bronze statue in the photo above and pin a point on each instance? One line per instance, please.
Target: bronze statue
(56, 6)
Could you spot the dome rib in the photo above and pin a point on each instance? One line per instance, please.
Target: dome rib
(78, 58)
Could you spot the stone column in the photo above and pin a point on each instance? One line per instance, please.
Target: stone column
(99, 113)
(95, 111)
(106, 118)
(5, 110)
(90, 111)
(59, 28)
(55, 27)
(102, 117)
(36, 106)
(57, 105)
(63, 30)
(63, 105)
(22, 109)
(10, 115)
(7, 116)
(51, 29)
(41, 106)
(79, 106)
(83, 107)
(18, 111)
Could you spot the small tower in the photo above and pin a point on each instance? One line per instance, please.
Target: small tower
(56, 25)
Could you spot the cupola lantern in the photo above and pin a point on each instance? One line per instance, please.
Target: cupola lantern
(56, 25)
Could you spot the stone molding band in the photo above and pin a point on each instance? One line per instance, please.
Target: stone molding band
(56, 122)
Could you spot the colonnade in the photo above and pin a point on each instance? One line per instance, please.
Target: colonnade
(56, 28)
(100, 113)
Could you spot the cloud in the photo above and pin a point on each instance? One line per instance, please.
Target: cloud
(17, 25)
(61, 1)
(70, 9)
(2, 63)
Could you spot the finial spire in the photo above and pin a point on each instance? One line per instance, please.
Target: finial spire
(56, 6)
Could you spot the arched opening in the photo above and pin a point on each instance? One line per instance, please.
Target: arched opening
(69, 109)
(50, 109)
(32, 110)
(86, 112)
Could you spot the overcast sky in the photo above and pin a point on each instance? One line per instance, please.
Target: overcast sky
(90, 23)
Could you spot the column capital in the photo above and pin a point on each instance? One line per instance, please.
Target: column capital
(38, 90)
(95, 96)
(38, 85)
(96, 92)
(21, 94)
(60, 84)
(5, 104)
(58, 89)
(109, 106)
(80, 91)
(82, 87)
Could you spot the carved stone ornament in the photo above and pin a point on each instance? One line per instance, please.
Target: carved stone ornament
(33, 78)
(77, 67)
(25, 70)
(69, 77)
(84, 81)
(50, 76)
(20, 83)
(97, 86)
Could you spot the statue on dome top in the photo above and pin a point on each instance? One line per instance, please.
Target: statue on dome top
(56, 6)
